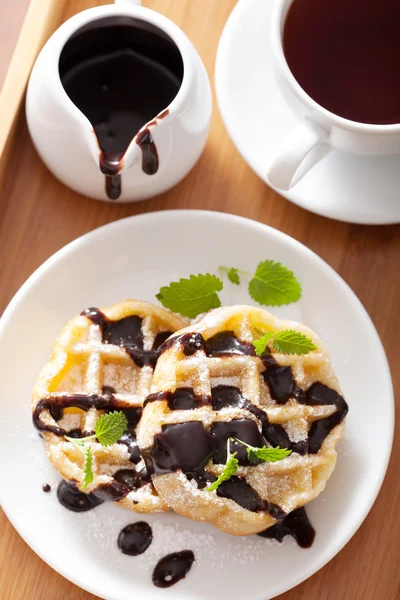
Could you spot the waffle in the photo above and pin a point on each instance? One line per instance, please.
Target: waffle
(103, 360)
(209, 385)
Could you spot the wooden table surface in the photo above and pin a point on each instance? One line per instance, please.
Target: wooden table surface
(367, 258)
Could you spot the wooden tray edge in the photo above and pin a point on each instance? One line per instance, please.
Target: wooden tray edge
(41, 20)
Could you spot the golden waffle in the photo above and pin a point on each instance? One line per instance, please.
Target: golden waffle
(103, 360)
(209, 385)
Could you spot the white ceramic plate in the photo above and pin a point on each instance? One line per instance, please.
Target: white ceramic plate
(258, 119)
(133, 258)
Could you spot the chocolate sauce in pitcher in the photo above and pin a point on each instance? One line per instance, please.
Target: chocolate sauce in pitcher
(122, 73)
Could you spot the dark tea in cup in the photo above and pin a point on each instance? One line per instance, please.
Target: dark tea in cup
(346, 55)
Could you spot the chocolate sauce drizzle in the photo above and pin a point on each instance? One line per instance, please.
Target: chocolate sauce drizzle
(182, 399)
(56, 404)
(46, 488)
(189, 446)
(296, 524)
(127, 332)
(319, 394)
(172, 568)
(134, 539)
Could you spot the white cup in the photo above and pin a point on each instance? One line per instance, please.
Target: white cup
(319, 125)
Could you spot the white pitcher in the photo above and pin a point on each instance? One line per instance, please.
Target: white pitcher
(65, 138)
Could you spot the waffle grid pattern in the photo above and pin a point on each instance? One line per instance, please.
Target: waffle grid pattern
(290, 483)
(82, 363)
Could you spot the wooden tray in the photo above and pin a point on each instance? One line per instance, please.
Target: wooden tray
(38, 215)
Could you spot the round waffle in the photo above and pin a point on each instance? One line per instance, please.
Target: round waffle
(208, 386)
(103, 360)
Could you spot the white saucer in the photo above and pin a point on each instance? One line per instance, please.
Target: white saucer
(134, 258)
(341, 186)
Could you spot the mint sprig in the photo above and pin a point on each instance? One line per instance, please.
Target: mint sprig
(255, 454)
(272, 284)
(108, 430)
(231, 466)
(193, 296)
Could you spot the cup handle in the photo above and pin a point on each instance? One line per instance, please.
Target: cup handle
(293, 151)
(137, 2)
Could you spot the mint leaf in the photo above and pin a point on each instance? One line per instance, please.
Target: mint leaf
(193, 296)
(88, 468)
(289, 341)
(233, 276)
(274, 285)
(110, 427)
(230, 469)
(260, 345)
(266, 454)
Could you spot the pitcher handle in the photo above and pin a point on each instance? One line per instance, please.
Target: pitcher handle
(293, 151)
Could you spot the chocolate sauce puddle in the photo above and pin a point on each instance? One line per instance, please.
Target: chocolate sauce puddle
(70, 497)
(296, 524)
(172, 568)
(134, 539)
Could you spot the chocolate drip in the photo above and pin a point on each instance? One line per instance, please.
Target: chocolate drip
(46, 488)
(127, 332)
(223, 396)
(319, 394)
(161, 337)
(134, 539)
(172, 568)
(202, 478)
(82, 401)
(56, 412)
(132, 414)
(108, 389)
(226, 343)
(113, 490)
(128, 439)
(129, 478)
(190, 342)
(241, 492)
(113, 186)
(145, 141)
(295, 524)
(70, 497)
(275, 434)
(238, 490)
(181, 399)
(77, 433)
(245, 430)
(185, 446)
(280, 382)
